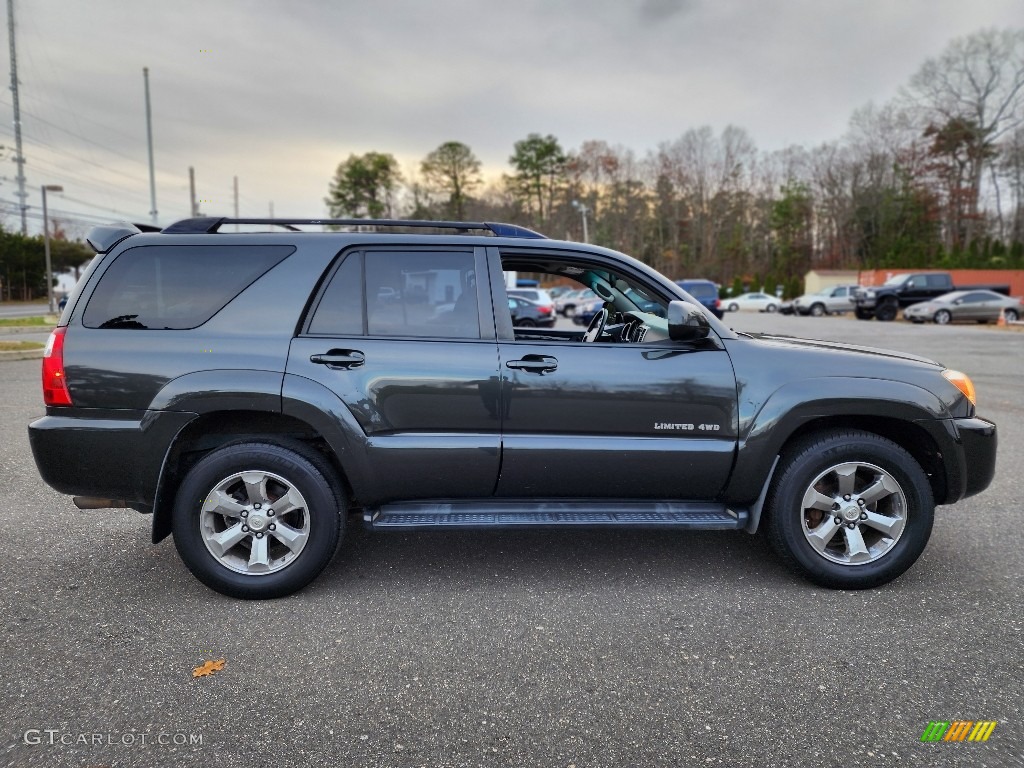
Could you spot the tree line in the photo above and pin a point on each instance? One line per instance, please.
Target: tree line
(23, 262)
(935, 178)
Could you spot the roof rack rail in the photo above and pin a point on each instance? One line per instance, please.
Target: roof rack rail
(210, 225)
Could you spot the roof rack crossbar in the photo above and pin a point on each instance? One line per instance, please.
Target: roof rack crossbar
(210, 225)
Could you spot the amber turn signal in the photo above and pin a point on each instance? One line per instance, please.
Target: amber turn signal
(962, 382)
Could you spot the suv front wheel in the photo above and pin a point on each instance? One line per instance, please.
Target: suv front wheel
(256, 520)
(850, 510)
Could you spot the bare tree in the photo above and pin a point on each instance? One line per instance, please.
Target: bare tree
(978, 81)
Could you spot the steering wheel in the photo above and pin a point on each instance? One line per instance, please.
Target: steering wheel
(593, 332)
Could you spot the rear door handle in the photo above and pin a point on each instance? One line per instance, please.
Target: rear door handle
(340, 359)
(534, 364)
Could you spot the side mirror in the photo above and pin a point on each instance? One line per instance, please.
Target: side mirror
(687, 322)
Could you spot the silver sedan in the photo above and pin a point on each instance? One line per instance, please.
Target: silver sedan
(965, 306)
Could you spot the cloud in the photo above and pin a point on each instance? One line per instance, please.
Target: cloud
(656, 11)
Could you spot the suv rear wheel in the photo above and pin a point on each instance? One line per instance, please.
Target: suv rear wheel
(850, 510)
(256, 521)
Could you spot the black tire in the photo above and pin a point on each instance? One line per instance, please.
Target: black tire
(811, 458)
(818, 310)
(943, 317)
(527, 323)
(863, 314)
(569, 311)
(734, 307)
(1011, 315)
(323, 514)
(772, 308)
(887, 312)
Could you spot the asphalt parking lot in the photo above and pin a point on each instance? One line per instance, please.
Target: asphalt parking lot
(518, 649)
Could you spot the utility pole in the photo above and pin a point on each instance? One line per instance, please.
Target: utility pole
(192, 191)
(236, 201)
(19, 158)
(149, 140)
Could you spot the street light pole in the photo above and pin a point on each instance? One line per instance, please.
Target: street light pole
(583, 212)
(46, 242)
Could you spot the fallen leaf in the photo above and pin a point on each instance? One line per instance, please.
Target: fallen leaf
(208, 668)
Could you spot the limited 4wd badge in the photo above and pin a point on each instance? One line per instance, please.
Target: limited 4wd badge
(687, 427)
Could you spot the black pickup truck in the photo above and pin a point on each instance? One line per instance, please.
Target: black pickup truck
(247, 390)
(900, 291)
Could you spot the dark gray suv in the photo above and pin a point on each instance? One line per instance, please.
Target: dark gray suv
(250, 390)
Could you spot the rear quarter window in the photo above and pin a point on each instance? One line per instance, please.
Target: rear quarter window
(176, 287)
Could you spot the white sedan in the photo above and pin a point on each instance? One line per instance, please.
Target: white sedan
(762, 302)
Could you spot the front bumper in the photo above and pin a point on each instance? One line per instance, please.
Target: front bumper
(978, 442)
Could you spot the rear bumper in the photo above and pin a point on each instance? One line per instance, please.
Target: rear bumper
(115, 455)
(978, 442)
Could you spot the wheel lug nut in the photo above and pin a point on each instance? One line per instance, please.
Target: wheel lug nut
(245, 513)
(259, 535)
(270, 513)
(863, 515)
(839, 520)
(245, 528)
(256, 505)
(846, 497)
(273, 527)
(835, 505)
(861, 502)
(851, 526)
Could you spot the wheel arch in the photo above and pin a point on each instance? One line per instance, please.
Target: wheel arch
(217, 429)
(907, 415)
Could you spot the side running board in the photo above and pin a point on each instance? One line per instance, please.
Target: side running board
(514, 513)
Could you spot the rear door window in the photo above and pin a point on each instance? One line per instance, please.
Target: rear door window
(176, 287)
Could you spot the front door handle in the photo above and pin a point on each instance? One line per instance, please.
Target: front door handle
(534, 364)
(340, 359)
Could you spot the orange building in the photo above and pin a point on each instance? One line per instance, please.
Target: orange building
(1011, 277)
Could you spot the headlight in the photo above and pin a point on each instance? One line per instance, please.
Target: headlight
(962, 382)
(869, 294)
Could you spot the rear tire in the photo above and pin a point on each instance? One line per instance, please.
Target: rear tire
(772, 308)
(256, 520)
(824, 478)
(1011, 315)
(863, 314)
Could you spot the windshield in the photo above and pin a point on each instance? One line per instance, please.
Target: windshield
(897, 280)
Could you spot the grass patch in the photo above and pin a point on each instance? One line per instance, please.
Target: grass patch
(19, 346)
(17, 322)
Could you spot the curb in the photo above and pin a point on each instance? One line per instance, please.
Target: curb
(22, 354)
(11, 330)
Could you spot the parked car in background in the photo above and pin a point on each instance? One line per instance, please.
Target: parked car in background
(901, 291)
(585, 312)
(536, 295)
(704, 291)
(527, 314)
(567, 303)
(827, 301)
(966, 306)
(762, 302)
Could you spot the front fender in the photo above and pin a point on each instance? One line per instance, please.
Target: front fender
(766, 429)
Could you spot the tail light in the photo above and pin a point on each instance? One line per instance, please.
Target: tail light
(718, 303)
(55, 386)
(544, 310)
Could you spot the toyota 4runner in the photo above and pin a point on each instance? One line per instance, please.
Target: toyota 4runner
(250, 389)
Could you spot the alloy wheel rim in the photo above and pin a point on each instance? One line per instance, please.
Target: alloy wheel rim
(853, 513)
(254, 523)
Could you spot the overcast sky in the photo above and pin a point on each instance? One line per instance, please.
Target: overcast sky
(278, 93)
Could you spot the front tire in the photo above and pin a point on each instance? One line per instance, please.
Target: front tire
(943, 317)
(772, 308)
(256, 520)
(817, 310)
(873, 487)
(734, 307)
